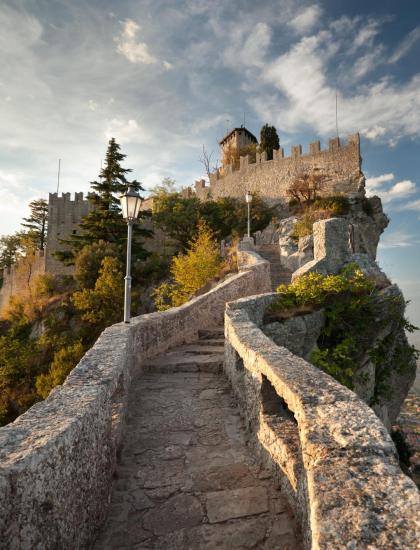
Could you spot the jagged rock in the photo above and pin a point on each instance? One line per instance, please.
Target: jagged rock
(298, 334)
(371, 269)
(368, 222)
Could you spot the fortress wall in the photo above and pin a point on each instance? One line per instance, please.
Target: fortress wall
(271, 179)
(333, 456)
(19, 279)
(64, 215)
(57, 460)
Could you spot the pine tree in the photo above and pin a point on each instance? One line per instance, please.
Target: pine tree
(37, 222)
(269, 140)
(104, 221)
(10, 247)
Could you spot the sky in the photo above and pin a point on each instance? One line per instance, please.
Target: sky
(165, 77)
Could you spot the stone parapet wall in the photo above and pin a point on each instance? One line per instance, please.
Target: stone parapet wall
(341, 163)
(57, 460)
(334, 457)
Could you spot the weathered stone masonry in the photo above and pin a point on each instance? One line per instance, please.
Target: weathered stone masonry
(337, 463)
(334, 458)
(271, 178)
(57, 459)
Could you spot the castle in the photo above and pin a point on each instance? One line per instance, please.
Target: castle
(340, 163)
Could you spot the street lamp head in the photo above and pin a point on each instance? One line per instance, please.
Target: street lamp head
(130, 204)
(248, 197)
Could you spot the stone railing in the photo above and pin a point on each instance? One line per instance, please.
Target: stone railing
(57, 460)
(334, 458)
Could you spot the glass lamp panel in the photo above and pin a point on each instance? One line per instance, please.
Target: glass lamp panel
(248, 197)
(131, 206)
(124, 206)
(137, 209)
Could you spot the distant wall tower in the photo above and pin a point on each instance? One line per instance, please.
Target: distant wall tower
(233, 141)
(64, 216)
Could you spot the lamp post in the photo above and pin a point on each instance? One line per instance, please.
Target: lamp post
(248, 199)
(130, 204)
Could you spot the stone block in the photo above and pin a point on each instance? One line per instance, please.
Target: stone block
(237, 503)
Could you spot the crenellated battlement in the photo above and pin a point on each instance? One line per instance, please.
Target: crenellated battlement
(271, 178)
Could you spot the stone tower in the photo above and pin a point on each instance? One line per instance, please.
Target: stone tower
(64, 216)
(233, 141)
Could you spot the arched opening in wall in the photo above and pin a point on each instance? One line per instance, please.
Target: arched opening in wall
(272, 403)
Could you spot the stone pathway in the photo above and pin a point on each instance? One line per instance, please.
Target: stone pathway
(186, 478)
(279, 273)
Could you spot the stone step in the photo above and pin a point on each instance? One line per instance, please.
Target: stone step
(211, 333)
(210, 342)
(197, 348)
(181, 362)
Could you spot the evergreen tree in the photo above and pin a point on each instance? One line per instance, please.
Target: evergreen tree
(37, 222)
(104, 221)
(9, 250)
(269, 140)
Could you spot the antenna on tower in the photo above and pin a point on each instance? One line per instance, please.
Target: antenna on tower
(58, 175)
(227, 125)
(244, 119)
(336, 111)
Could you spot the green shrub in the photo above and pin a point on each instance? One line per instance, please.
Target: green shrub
(350, 301)
(304, 226)
(64, 362)
(337, 205)
(190, 271)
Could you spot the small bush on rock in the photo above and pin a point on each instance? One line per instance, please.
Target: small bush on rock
(352, 306)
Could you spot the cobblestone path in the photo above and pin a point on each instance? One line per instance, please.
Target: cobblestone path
(186, 478)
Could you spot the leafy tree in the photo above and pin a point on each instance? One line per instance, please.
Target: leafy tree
(65, 359)
(305, 187)
(18, 368)
(190, 271)
(168, 185)
(88, 262)
(269, 140)
(178, 216)
(104, 221)
(9, 250)
(37, 222)
(102, 305)
(250, 151)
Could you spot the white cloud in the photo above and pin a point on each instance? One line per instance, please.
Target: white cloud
(378, 181)
(373, 132)
(306, 91)
(366, 34)
(129, 47)
(397, 191)
(368, 62)
(125, 131)
(306, 20)
(405, 46)
(398, 238)
(415, 205)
